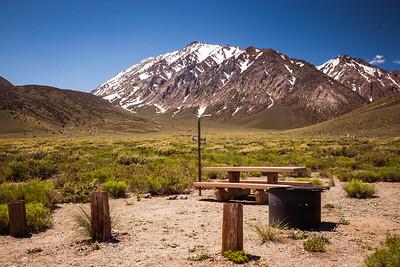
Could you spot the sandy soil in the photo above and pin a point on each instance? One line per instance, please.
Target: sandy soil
(161, 232)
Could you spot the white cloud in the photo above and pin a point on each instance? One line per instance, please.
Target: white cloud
(378, 59)
(397, 61)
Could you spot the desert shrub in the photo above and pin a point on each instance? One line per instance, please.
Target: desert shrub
(38, 217)
(200, 257)
(343, 221)
(267, 232)
(77, 192)
(386, 255)
(168, 184)
(316, 243)
(389, 174)
(296, 234)
(357, 189)
(37, 154)
(116, 188)
(83, 222)
(32, 191)
(3, 219)
(165, 150)
(23, 170)
(368, 176)
(378, 158)
(34, 250)
(239, 256)
(125, 159)
(100, 175)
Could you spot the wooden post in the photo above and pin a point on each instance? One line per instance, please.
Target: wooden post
(232, 227)
(17, 218)
(199, 150)
(101, 220)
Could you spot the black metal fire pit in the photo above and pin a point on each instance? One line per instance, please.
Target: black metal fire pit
(296, 207)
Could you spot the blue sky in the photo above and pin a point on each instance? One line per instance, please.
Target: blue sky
(79, 44)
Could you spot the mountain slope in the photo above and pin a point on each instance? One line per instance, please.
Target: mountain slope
(230, 83)
(4, 83)
(370, 82)
(381, 118)
(42, 108)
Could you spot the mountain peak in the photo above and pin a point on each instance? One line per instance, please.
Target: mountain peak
(369, 81)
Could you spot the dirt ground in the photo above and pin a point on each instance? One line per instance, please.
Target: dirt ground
(162, 232)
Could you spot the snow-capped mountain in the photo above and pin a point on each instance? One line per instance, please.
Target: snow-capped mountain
(369, 81)
(227, 82)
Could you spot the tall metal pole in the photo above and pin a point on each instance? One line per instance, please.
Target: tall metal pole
(199, 149)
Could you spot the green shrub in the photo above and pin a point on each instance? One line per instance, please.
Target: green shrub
(343, 221)
(357, 189)
(23, 170)
(116, 188)
(386, 255)
(239, 256)
(32, 191)
(38, 217)
(131, 159)
(316, 243)
(378, 158)
(77, 192)
(98, 174)
(3, 219)
(200, 257)
(82, 222)
(34, 250)
(165, 150)
(267, 232)
(389, 174)
(296, 234)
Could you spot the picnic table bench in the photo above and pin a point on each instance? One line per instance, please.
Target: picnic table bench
(238, 189)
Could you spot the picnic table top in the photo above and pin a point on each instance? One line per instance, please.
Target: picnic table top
(239, 185)
(254, 169)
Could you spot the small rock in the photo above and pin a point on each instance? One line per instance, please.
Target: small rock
(182, 197)
(148, 195)
(171, 197)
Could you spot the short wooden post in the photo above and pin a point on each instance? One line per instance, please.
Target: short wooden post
(232, 227)
(101, 220)
(17, 218)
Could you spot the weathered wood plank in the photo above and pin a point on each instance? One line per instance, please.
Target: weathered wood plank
(238, 185)
(232, 227)
(293, 183)
(254, 169)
